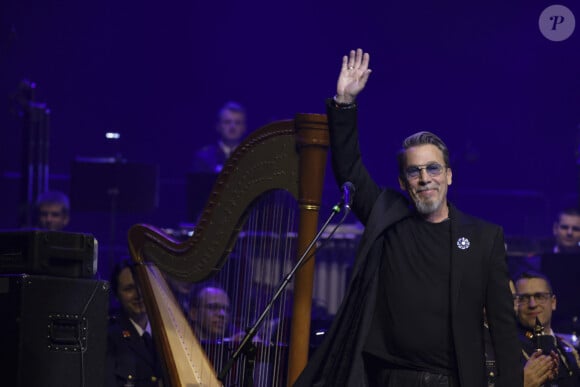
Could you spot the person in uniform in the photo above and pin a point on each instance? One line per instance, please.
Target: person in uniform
(131, 356)
(535, 304)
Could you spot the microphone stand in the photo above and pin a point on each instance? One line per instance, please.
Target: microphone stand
(247, 347)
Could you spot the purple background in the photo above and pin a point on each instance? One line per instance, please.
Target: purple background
(504, 98)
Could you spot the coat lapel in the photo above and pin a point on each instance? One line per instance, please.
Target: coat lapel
(388, 210)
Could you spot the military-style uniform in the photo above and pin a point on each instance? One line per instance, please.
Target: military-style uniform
(131, 359)
(490, 368)
(569, 369)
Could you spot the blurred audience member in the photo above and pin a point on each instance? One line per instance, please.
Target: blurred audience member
(210, 313)
(231, 127)
(567, 231)
(538, 368)
(536, 302)
(131, 356)
(53, 209)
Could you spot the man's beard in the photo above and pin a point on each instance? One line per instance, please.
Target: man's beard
(427, 207)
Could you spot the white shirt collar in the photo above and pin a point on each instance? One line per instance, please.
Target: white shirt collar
(227, 149)
(140, 330)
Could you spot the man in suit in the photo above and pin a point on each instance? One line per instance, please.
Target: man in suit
(131, 356)
(566, 231)
(231, 127)
(536, 302)
(538, 368)
(423, 275)
(209, 160)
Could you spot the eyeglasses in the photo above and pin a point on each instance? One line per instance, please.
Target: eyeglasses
(433, 169)
(213, 307)
(540, 297)
(565, 227)
(54, 214)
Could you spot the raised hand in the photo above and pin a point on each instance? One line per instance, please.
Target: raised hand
(353, 76)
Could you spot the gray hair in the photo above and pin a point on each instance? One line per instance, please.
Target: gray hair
(421, 138)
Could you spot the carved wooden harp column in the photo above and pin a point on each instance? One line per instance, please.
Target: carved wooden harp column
(286, 155)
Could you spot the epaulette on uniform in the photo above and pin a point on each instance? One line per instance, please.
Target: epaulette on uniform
(568, 347)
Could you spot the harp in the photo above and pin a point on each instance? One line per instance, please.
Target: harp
(287, 156)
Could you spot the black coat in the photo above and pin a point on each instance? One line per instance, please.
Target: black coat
(127, 355)
(209, 159)
(479, 278)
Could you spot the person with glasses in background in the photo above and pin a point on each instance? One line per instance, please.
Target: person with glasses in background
(567, 231)
(423, 275)
(535, 303)
(538, 367)
(209, 312)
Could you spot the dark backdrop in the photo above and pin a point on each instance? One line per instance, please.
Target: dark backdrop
(480, 74)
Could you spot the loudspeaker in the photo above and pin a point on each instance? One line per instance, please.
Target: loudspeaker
(63, 254)
(54, 331)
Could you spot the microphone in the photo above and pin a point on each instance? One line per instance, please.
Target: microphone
(348, 192)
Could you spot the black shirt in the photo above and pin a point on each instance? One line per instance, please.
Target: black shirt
(412, 321)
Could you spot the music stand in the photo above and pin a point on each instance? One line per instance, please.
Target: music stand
(96, 182)
(115, 186)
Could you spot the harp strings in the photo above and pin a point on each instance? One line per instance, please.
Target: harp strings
(262, 256)
(190, 360)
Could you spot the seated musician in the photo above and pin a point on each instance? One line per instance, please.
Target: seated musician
(567, 231)
(536, 302)
(231, 127)
(131, 356)
(538, 368)
(52, 210)
(209, 160)
(210, 312)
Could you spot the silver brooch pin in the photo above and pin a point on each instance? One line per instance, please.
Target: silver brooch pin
(463, 243)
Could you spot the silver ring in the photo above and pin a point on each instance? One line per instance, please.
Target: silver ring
(350, 67)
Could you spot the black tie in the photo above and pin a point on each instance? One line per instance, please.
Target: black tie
(148, 340)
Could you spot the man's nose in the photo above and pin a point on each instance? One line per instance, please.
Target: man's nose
(532, 302)
(423, 175)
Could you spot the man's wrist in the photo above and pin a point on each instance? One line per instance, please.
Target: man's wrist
(342, 102)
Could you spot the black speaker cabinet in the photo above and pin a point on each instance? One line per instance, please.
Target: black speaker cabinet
(54, 331)
(58, 253)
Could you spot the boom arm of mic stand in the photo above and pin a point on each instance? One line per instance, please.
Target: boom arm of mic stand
(244, 345)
